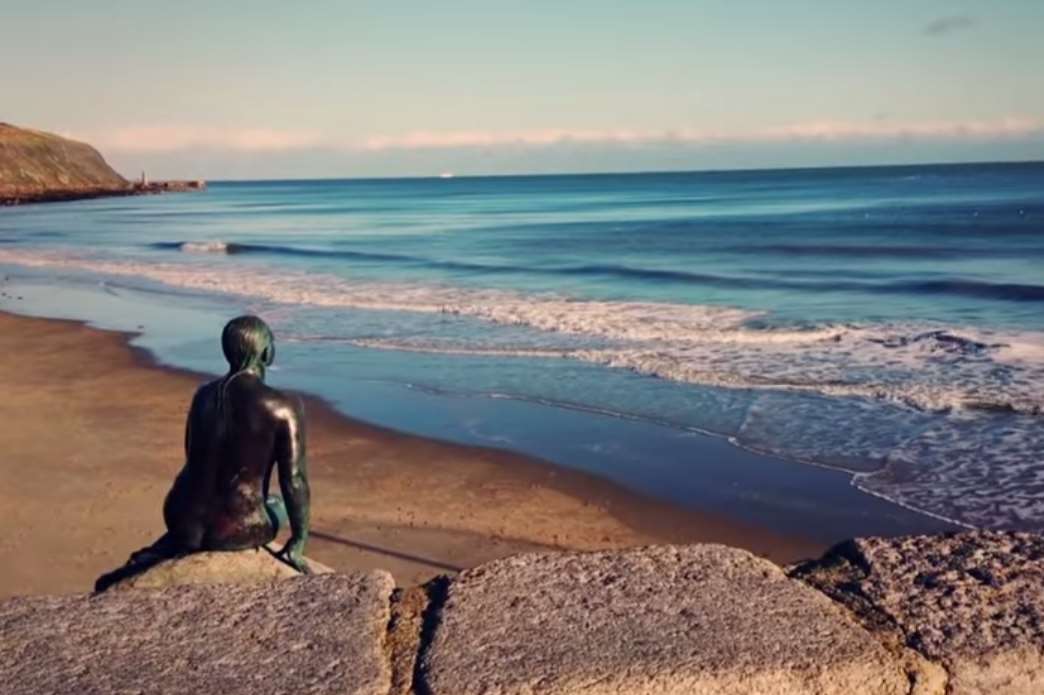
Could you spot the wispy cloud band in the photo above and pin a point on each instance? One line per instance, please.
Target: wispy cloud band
(167, 138)
(948, 25)
(813, 130)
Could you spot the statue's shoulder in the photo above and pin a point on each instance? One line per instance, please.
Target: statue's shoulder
(208, 387)
(204, 392)
(285, 405)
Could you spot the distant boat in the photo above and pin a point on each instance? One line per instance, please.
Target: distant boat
(446, 175)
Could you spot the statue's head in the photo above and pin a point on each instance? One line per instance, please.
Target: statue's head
(248, 344)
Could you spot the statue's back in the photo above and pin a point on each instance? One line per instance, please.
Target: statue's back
(217, 501)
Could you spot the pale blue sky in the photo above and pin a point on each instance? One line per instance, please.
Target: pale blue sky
(267, 89)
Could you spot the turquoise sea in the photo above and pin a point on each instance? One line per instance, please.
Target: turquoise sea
(833, 351)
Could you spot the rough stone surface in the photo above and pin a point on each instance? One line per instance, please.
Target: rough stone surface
(972, 601)
(320, 634)
(663, 620)
(240, 567)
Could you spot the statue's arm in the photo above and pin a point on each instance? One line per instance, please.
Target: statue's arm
(292, 464)
(188, 425)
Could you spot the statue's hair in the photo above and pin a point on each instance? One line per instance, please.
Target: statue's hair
(248, 344)
(249, 347)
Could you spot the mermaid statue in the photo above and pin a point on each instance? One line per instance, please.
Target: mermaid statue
(238, 431)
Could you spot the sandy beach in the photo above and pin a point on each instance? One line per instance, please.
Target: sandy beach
(92, 435)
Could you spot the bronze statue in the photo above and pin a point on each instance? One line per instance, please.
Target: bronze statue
(238, 430)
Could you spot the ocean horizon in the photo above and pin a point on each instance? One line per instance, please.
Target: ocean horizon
(858, 345)
(635, 172)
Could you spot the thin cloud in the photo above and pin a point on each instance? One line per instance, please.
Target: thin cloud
(166, 138)
(813, 130)
(159, 139)
(948, 25)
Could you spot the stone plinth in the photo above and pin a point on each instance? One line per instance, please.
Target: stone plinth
(239, 567)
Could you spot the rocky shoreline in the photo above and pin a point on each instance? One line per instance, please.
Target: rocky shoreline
(20, 197)
(40, 167)
(949, 614)
(12, 197)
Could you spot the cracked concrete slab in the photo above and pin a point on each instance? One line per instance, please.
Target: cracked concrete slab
(664, 620)
(317, 634)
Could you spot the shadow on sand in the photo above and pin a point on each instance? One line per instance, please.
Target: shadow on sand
(385, 551)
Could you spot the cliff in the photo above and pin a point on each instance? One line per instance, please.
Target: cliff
(38, 166)
(959, 614)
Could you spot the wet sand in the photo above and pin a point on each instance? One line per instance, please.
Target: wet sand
(91, 432)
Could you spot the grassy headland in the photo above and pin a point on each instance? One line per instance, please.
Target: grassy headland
(37, 166)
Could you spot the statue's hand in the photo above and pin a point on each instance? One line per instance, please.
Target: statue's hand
(293, 554)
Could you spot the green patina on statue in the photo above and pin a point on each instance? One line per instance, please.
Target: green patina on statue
(238, 430)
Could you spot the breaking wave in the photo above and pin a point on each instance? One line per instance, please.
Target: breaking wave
(943, 286)
(917, 365)
(196, 246)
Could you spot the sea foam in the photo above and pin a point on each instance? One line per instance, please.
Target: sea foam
(918, 365)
